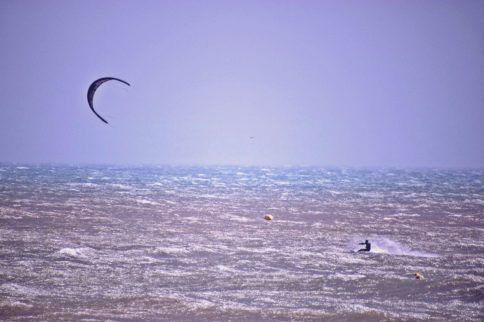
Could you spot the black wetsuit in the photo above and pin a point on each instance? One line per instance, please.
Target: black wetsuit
(367, 248)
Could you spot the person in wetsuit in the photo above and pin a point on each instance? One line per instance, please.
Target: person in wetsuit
(367, 246)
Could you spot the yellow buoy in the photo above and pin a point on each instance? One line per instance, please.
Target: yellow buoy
(268, 217)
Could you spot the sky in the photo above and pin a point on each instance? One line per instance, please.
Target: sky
(268, 83)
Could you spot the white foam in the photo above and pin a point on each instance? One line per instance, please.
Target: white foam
(155, 184)
(121, 186)
(308, 254)
(170, 250)
(260, 250)
(479, 201)
(211, 196)
(85, 184)
(352, 259)
(383, 245)
(347, 277)
(80, 252)
(224, 268)
(15, 304)
(236, 218)
(147, 202)
(17, 289)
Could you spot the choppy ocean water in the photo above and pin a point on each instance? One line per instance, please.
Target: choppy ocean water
(105, 243)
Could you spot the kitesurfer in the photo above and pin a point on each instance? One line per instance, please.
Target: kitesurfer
(367, 246)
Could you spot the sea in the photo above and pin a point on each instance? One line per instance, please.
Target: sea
(167, 243)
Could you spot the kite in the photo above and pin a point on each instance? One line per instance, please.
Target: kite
(92, 89)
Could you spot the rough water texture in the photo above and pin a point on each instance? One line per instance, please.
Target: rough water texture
(190, 243)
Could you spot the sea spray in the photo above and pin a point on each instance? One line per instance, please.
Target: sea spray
(385, 245)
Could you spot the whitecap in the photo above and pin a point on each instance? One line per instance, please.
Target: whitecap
(15, 304)
(227, 269)
(167, 250)
(121, 186)
(235, 218)
(155, 184)
(83, 184)
(80, 252)
(17, 289)
(146, 202)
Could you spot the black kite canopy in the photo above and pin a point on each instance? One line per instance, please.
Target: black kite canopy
(92, 89)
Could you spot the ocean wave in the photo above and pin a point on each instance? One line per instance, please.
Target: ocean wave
(121, 186)
(236, 218)
(167, 250)
(121, 254)
(21, 290)
(79, 252)
(146, 202)
(83, 184)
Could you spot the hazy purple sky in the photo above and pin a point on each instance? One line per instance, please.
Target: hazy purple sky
(329, 83)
